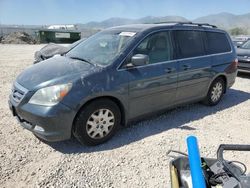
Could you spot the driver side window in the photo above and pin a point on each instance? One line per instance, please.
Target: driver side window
(157, 46)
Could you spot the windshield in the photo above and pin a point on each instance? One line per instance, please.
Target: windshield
(102, 48)
(246, 45)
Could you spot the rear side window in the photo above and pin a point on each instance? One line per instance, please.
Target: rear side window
(217, 43)
(190, 43)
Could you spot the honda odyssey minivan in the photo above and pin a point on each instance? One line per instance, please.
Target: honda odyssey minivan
(121, 74)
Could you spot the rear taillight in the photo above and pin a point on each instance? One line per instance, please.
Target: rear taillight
(232, 67)
(235, 63)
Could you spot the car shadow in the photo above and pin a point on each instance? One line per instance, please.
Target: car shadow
(177, 118)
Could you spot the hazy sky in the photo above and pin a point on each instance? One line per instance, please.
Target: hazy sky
(82, 11)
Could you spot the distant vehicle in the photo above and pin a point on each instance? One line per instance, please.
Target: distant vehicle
(243, 54)
(240, 40)
(121, 74)
(52, 49)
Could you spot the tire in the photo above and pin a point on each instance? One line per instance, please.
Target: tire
(215, 92)
(97, 122)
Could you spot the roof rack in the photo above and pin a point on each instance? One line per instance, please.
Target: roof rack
(190, 23)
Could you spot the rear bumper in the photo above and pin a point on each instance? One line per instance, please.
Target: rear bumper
(231, 78)
(48, 123)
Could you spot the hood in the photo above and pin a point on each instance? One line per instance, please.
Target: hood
(52, 70)
(243, 52)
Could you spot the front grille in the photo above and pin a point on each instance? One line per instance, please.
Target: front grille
(244, 64)
(244, 60)
(18, 92)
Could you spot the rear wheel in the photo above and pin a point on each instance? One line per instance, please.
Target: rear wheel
(97, 122)
(215, 92)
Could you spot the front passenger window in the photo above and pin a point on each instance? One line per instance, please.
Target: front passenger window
(157, 46)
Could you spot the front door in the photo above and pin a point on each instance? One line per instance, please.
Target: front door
(153, 86)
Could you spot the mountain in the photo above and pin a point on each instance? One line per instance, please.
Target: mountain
(124, 21)
(223, 20)
(111, 22)
(152, 19)
(226, 20)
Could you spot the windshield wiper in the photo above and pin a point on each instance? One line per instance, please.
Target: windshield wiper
(82, 59)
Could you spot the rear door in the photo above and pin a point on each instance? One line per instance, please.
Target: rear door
(193, 65)
(153, 86)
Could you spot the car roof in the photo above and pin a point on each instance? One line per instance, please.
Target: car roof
(156, 26)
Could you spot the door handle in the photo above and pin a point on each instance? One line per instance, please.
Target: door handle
(186, 67)
(169, 70)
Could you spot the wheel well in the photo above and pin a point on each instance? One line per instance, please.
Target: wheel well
(115, 100)
(225, 80)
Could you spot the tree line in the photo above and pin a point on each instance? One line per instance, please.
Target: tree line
(239, 31)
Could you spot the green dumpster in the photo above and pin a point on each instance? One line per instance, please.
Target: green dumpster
(58, 36)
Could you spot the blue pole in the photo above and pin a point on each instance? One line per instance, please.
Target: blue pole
(195, 163)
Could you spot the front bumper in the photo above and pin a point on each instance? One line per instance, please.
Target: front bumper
(244, 65)
(48, 123)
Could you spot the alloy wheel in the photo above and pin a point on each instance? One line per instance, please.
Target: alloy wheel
(216, 92)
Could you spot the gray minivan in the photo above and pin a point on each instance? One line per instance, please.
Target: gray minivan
(121, 74)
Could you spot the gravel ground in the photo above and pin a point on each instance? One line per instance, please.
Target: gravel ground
(135, 157)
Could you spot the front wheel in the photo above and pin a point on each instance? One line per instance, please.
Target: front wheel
(215, 92)
(97, 122)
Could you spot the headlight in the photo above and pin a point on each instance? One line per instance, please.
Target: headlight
(51, 95)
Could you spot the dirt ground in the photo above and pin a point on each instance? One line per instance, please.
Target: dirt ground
(135, 157)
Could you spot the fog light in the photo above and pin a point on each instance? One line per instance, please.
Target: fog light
(38, 128)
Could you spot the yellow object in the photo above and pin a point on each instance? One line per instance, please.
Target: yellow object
(174, 177)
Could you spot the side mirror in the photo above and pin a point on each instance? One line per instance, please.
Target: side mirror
(138, 60)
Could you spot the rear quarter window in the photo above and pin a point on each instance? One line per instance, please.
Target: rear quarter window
(190, 43)
(217, 43)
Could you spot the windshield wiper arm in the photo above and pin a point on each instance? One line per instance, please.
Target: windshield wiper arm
(82, 59)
